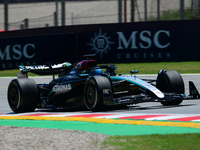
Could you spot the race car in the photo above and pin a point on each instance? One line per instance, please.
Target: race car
(94, 87)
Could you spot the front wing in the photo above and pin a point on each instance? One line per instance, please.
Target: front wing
(141, 98)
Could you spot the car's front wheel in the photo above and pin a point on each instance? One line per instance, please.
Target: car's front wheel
(172, 82)
(23, 95)
(93, 92)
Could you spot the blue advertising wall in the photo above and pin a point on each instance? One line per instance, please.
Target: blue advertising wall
(32, 50)
(144, 42)
(162, 41)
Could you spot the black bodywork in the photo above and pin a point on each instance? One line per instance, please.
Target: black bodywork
(86, 85)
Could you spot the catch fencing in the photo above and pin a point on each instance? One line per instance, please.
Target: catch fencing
(59, 13)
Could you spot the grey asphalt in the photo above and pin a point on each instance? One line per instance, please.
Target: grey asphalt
(186, 107)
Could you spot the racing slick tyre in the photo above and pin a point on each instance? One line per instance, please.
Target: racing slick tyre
(172, 82)
(93, 92)
(23, 95)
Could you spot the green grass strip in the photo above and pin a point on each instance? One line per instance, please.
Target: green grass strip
(143, 68)
(154, 142)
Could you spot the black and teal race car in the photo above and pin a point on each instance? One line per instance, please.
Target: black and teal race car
(87, 85)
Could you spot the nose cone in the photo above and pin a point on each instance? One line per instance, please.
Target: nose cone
(159, 94)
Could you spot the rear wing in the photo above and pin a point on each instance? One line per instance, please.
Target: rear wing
(47, 69)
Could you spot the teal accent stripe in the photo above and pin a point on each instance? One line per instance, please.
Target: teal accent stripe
(130, 81)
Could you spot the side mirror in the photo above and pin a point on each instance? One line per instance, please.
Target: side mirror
(83, 75)
(133, 72)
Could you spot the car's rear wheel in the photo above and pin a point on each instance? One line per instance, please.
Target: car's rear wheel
(23, 95)
(171, 81)
(93, 92)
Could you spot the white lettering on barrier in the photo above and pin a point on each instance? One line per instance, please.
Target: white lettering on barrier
(16, 52)
(143, 55)
(145, 37)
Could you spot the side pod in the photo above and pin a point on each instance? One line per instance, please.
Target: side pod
(194, 93)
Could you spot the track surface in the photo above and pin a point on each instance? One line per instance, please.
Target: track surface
(184, 118)
(187, 107)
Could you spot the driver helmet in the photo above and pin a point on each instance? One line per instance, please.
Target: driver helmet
(85, 64)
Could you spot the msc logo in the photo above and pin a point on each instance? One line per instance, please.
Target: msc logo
(137, 40)
(16, 52)
(100, 43)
